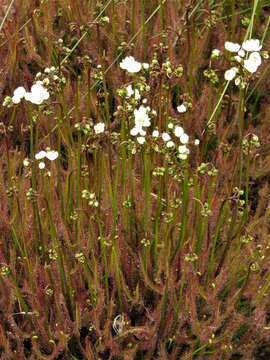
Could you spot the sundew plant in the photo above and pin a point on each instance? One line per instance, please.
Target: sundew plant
(134, 180)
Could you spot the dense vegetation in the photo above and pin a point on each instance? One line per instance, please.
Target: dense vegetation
(134, 179)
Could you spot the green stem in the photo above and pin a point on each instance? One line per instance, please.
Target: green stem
(185, 201)
(218, 103)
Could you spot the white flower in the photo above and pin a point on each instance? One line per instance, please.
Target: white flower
(170, 126)
(142, 132)
(19, 92)
(215, 53)
(241, 53)
(52, 155)
(184, 138)
(134, 131)
(232, 47)
(131, 92)
(41, 165)
(130, 64)
(155, 133)
(16, 100)
(165, 136)
(181, 108)
(26, 162)
(99, 128)
(183, 152)
(141, 117)
(256, 58)
(40, 155)
(230, 74)
(18, 95)
(178, 131)
(137, 130)
(183, 149)
(170, 144)
(253, 62)
(141, 120)
(183, 156)
(137, 95)
(238, 58)
(196, 142)
(145, 66)
(250, 66)
(237, 81)
(252, 45)
(141, 140)
(38, 94)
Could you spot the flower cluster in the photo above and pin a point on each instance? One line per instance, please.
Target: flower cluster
(18, 95)
(91, 197)
(250, 143)
(51, 77)
(88, 128)
(215, 53)
(131, 92)
(142, 120)
(37, 95)
(166, 68)
(177, 135)
(180, 134)
(186, 103)
(48, 154)
(246, 58)
(99, 128)
(132, 66)
(182, 108)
